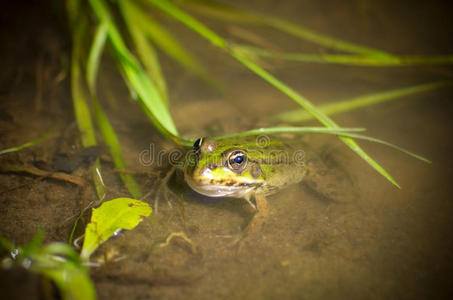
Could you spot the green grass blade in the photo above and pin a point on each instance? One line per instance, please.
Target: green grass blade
(73, 10)
(27, 144)
(94, 57)
(144, 48)
(346, 105)
(114, 145)
(274, 130)
(321, 39)
(355, 60)
(308, 106)
(104, 125)
(149, 96)
(345, 132)
(81, 109)
(242, 58)
(164, 39)
(190, 22)
(378, 141)
(232, 14)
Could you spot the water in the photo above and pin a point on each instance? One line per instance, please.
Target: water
(378, 242)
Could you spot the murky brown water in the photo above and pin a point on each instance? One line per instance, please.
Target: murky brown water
(377, 242)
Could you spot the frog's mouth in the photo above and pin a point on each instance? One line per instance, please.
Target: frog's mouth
(215, 188)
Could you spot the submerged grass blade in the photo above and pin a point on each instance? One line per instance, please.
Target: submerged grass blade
(104, 125)
(355, 60)
(149, 96)
(81, 109)
(346, 105)
(242, 58)
(27, 144)
(94, 57)
(114, 145)
(230, 13)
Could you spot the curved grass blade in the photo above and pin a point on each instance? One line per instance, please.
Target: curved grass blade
(230, 13)
(274, 130)
(164, 39)
(313, 110)
(27, 144)
(346, 105)
(242, 58)
(149, 97)
(145, 49)
(345, 132)
(105, 127)
(355, 60)
(378, 141)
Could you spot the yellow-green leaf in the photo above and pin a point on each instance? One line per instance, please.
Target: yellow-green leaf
(109, 218)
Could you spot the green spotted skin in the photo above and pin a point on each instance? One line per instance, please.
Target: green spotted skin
(241, 167)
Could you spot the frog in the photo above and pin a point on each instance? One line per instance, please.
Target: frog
(250, 168)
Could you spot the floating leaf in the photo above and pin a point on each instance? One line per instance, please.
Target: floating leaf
(111, 216)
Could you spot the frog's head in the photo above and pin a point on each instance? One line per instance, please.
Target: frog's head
(223, 168)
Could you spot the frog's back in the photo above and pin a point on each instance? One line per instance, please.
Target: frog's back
(282, 164)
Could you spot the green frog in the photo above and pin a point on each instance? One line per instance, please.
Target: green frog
(250, 168)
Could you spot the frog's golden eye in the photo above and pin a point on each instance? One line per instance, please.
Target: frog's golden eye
(237, 161)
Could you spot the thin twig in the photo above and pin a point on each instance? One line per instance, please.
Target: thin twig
(38, 172)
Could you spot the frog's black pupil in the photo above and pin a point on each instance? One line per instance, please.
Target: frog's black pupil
(239, 159)
(197, 143)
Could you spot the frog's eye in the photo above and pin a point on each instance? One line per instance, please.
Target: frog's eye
(197, 143)
(237, 160)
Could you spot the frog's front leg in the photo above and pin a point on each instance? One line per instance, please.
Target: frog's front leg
(258, 219)
(260, 216)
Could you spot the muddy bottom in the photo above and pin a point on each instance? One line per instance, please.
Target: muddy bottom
(368, 240)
